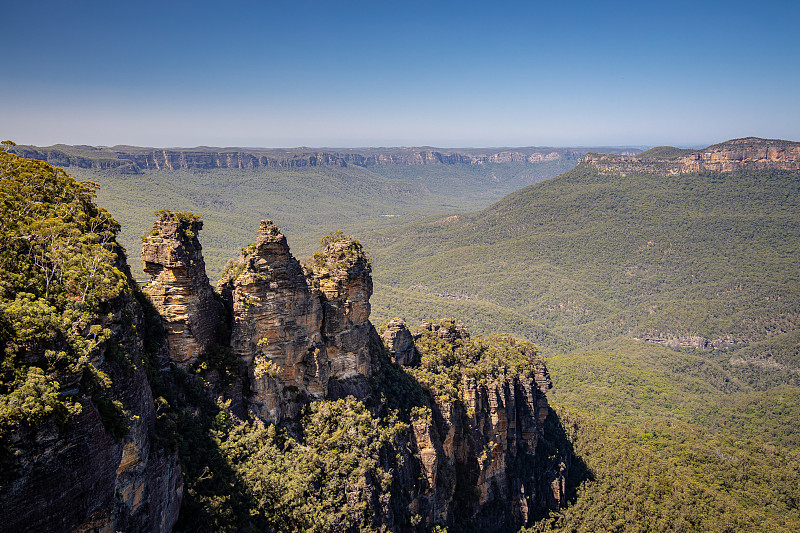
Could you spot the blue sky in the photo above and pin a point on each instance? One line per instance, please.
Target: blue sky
(390, 73)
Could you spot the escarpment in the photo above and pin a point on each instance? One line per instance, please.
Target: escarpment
(132, 160)
(736, 154)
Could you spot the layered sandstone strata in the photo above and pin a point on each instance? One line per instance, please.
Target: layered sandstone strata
(296, 332)
(480, 440)
(179, 287)
(342, 273)
(736, 154)
(276, 330)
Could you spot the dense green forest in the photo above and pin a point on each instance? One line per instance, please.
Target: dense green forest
(583, 258)
(58, 262)
(678, 440)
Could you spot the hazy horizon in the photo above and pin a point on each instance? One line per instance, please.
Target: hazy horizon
(392, 74)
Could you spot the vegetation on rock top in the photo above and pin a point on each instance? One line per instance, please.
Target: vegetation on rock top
(59, 265)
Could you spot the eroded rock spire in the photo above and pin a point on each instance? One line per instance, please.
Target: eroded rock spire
(277, 318)
(179, 287)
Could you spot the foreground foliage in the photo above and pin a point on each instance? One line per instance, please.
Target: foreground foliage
(58, 263)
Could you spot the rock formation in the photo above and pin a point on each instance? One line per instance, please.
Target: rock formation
(297, 332)
(469, 451)
(179, 286)
(302, 333)
(400, 342)
(276, 329)
(737, 154)
(342, 273)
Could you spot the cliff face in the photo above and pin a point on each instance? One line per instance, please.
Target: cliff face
(471, 452)
(277, 318)
(750, 152)
(296, 332)
(82, 475)
(737, 154)
(187, 159)
(134, 160)
(342, 273)
(179, 287)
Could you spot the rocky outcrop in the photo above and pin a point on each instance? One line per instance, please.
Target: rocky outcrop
(276, 329)
(295, 332)
(302, 333)
(179, 287)
(470, 451)
(101, 470)
(342, 273)
(737, 154)
(750, 152)
(447, 330)
(400, 343)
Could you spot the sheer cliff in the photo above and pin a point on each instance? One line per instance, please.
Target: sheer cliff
(738, 154)
(131, 159)
(179, 287)
(78, 444)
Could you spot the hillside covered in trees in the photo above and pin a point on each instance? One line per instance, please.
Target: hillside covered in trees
(668, 308)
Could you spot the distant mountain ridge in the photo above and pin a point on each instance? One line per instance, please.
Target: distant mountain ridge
(132, 159)
(736, 154)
